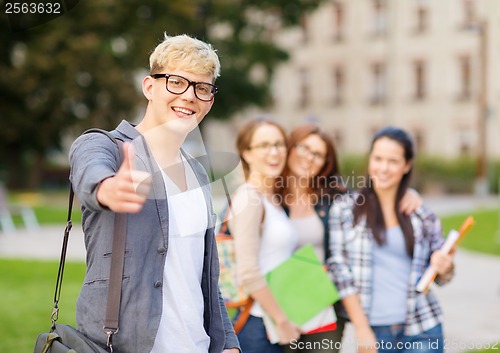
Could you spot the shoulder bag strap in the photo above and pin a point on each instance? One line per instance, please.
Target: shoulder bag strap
(117, 260)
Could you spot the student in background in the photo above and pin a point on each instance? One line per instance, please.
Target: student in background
(263, 234)
(378, 253)
(310, 184)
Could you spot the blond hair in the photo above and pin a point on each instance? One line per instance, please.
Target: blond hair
(185, 53)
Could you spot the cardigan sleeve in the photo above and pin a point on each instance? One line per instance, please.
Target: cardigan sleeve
(231, 339)
(245, 224)
(341, 221)
(433, 233)
(93, 158)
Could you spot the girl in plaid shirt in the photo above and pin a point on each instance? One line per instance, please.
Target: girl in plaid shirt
(378, 254)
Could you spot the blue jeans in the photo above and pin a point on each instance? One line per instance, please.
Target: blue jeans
(392, 339)
(253, 338)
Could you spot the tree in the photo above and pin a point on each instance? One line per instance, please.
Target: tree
(79, 70)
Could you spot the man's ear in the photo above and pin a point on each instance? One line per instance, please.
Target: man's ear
(147, 87)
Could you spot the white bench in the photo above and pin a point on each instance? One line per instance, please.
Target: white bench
(7, 225)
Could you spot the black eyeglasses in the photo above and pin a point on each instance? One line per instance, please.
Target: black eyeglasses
(305, 151)
(266, 147)
(178, 85)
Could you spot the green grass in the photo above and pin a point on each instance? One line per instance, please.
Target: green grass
(27, 294)
(484, 235)
(495, 349)
(27, 287)
(483, 238)
(49, 206)
(51, 215)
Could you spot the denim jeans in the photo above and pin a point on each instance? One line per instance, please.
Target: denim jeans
(392, 339)
(253, 338)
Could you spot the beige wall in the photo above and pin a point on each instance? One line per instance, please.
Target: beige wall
(442, 120)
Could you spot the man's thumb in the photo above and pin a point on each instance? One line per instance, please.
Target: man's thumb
(128, 157)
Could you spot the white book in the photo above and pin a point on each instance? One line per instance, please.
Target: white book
(429, 274)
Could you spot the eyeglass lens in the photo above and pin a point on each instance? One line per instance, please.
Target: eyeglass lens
(306, 151)
(178, 85)
(267, 147)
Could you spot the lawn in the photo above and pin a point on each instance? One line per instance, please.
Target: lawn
(27, 287)
(27, 292)
(484, 236)
(50, 207)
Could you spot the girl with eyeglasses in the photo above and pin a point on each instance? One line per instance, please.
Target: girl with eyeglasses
(263, 234)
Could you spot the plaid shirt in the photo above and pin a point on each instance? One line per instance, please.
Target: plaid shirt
(351, 247)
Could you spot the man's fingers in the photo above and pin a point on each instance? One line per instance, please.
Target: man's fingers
(128, 157)
(129, 188)
(130, 207)
(135, 180)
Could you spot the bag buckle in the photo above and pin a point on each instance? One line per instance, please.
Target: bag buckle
(54, 316)
(109, 333)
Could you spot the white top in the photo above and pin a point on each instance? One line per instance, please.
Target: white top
(277, 243)
(311, 231)
(181, 326)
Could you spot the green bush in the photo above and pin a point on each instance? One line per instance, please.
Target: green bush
(448, 175)
(431, 174)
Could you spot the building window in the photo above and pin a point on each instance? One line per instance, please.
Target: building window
(469, 13)
(418, 138)
(419, 73)
(379, 17)
(304, 88)
(421, 17)
(304, 26)
(338, 78)
(465, 138)
(338, 21)
(372, 131)
(465, 72)
(379, 84)
(338, 138)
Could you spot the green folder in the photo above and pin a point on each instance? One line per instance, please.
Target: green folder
(302, 286)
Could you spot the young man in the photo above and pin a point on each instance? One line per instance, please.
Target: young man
(170, 298)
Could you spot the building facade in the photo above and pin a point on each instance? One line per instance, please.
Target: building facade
(357, 65)
(431, 67)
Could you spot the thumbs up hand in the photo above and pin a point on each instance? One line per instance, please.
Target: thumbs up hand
(126, 191)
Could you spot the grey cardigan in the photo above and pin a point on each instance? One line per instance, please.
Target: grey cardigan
(93, 157)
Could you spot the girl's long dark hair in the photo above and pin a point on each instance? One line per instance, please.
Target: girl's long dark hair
(368, 204)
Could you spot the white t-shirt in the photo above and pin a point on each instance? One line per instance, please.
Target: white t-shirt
(278, 240)
(181, 326)
(311, 231)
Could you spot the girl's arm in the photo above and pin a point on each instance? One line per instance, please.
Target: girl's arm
(341, 223)
(245, 224)
(364, 334)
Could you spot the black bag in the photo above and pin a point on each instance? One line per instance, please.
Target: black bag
(65, 338)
